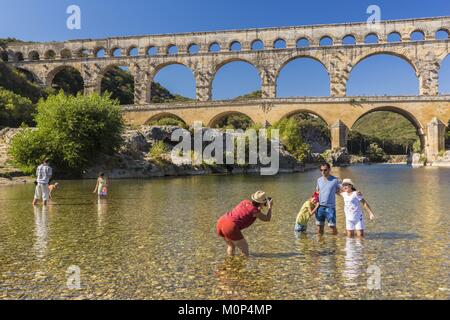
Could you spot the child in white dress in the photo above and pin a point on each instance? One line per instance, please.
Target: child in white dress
(353, 203)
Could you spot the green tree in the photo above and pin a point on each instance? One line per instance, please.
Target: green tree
(168, 121)
(235, 121)
(158, 150)
(15, 109)
(291, 138)
(73, 131)
(17, 82)
(375, 153)
(69, 80)
(120, 84)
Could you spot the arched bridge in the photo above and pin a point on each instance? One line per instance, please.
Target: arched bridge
(206, 52)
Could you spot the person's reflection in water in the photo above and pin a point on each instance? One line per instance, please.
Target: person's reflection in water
(354, 260)
(41, 231)
(230, 276)
(102, 210)
(240, 278)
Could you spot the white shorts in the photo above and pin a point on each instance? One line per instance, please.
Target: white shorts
(355, 224)
(41, 191)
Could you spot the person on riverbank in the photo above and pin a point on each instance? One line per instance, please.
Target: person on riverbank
(230, 225)
(353, 204)
(308, 209)
(327, 186)
(101, 188)
(43, 175)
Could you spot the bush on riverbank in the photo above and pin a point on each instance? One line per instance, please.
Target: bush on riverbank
(158, 151)
(375, 153)
(290, 137)
(71, 131)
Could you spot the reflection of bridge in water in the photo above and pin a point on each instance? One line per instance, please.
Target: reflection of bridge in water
(145, 56)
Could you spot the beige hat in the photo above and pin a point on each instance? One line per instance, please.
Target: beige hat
(348, 181)
(259, 196)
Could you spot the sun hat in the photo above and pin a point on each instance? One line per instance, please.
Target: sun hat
(348, 181)
(259, 196)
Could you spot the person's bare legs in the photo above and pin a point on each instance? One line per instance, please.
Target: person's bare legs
(333, 230)
(243, 246)
(35, 202)
(360, 233)
(230, 247)
(350, 233)
(320, 229)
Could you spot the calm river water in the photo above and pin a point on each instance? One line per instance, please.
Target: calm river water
(155, 239)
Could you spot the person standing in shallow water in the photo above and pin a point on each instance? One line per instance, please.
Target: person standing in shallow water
(327, 186)
(229, 225)
(353, 204)
(43, 175)
(101, 188)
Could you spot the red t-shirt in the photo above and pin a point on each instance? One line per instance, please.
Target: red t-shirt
(243, 214)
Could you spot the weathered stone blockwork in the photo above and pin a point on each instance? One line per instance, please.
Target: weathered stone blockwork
(44, 60)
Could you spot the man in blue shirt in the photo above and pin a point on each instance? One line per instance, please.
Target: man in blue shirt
(327, 186)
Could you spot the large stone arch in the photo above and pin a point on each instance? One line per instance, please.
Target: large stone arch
(407, 114)
(52, 73)
(164, 114)
(304, 110)
(420, 128)
(154, 70)
(284, 62)
(220, 64)
(212, 121)
(106, 68)
(291, 58)
(32, 74)
(378, 51)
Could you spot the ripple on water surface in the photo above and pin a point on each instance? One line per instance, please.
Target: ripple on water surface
(155, 239)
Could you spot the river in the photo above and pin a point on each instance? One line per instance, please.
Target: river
(155, 239)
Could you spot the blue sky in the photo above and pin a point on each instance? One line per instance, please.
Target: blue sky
(46, 21)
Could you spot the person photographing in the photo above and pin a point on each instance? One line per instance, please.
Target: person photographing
(230, 225)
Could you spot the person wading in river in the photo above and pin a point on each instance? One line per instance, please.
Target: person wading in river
(43, 176)
(327, 186)
(229, 225)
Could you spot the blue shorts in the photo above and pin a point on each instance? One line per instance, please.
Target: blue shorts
(327, 213)
(299, 228)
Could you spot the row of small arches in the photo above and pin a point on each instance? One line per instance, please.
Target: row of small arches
(133, 51)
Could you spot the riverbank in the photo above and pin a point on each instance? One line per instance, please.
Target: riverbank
(137, 159)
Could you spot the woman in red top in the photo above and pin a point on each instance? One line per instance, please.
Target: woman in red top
(229, 225)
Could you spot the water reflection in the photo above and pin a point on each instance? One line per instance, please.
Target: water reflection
(354, 261)
(156, 240)
(41, 231)
(102, 210)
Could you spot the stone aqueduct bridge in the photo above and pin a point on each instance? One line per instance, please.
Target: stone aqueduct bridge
(428, 111)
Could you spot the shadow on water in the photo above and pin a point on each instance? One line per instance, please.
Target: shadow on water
(392, 236)
(275, 255)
